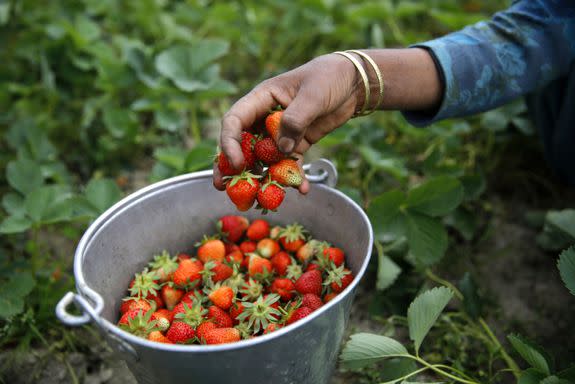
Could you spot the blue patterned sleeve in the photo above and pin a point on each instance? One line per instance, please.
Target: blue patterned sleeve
(492, 62)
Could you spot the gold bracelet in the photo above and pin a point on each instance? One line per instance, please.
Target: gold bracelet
(365, 79)
(377, 74)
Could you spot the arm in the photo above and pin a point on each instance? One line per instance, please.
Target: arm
(490, 63)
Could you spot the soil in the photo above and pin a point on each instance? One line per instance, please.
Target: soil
(525, 294)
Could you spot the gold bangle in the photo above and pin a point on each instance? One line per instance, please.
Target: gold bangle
(364, 77)
(377, 74)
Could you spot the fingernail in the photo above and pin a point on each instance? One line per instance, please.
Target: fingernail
(286, 144)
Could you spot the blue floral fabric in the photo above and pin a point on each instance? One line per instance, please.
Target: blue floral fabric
(517, 52)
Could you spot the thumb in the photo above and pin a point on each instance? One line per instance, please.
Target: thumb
(305, 108)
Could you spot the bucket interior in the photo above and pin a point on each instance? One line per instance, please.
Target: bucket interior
(176, 216)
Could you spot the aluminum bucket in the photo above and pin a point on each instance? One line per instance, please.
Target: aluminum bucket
(173, 214)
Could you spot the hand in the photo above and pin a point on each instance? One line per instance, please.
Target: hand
(318, 97)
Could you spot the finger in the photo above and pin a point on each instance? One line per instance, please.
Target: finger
(306, 107)
(217, 179)
(243, 114)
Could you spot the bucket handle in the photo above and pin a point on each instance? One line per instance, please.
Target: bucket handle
(89, 313)
(321, 171)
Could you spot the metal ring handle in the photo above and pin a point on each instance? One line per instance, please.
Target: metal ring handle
(65, 317)
(321, 171)
(89, 313)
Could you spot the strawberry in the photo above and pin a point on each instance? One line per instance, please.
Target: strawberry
(270, 196)
(248, 246)
(267, 151)
(129, 315)
(280, 262)
(284, 288)
(329, 296)
(248, 144)
(309, 282)
(222, 336)
(299, 314)
(268, 247)
(293, 271)
(222, 297)
(180, 333)
(203, 328)
(226, 168)
(188, 273)
(272, 327)
(258, 230)
(193, 314)
(211, 249)
(275, 232)
(259, 268)
(242, 190)
(182, 256)
(235, 257)
(163, 265)
(171, 296)
(162, 320)
(144, 283)
(156, 300)
(231, 247)
(220, 317)
(339, 278)
(311, 301)
(159, 337)
(292, 237)
(251, 289)
(261, 312)
(236, 309)
(232, 227)
(132, 303)
(334, 255)
(216, 271)
(138, 323)
(313, 266)
(273, 124)
(286, 172)
(308, 251)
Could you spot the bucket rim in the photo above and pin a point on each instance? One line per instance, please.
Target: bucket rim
(83, 287)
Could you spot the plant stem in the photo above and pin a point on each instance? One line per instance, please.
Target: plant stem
(446, 283)
(406, 376)
(508, 359)
(195, 125)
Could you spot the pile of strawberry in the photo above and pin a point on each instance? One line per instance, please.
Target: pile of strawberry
(248, 280)
(244, 186)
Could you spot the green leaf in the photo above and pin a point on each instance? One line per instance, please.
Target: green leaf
(48, 204)
(366, 348)
(392, 369)
(563, 221)
(201, 156)
(566, 265)
(436, 197)
(12, 293)
(173, 157)
(554, 380)
(427, 238)
(384, 209)
(15, 224)
(387, 272)
(568, 373)
(120, 122)
(186, 64)
(424, 312)
(471, 301)
(473, 186)
(531, 376)
(464, 221)
(102, 193)
(24, 175)
(13, 204)
(374, 158)
(532, 353)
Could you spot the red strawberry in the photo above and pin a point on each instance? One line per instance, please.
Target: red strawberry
(251, 289)
(275, 232)
(217, 271)
(311, 301)
(171, 296)
(346, 280)
(308, 250)
(284, 288)
(335, 255)
(235, 257)
(248, 144)
(329, 296)
(248, 246)
(268, 247)
(211, 249)
(236, 309)
(220, 317)
(309, 282)
(230, 247)
(138, 323)
(292, 237)
(242, 190)
(313, 266)
(270, 196)
(280, 262)
(222, 297)
(267, 151)
(163, 266)
(144, 284)
(259, 267)
(261, 312)
(258, 230)
(222, 336)
(129, 315)
(299, 314)
(203, 328)
(273, 124)
(233, 227)
(183, 256)
(180, 333)
(188, 273)
(272, 327)
(162, 320)
(159, 337)
(133, 303)
(286, 172)
(225, 167)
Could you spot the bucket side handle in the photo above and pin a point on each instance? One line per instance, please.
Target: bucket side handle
(89, 312)
(321, 171)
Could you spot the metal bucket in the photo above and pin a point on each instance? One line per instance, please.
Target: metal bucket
(173, 215)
